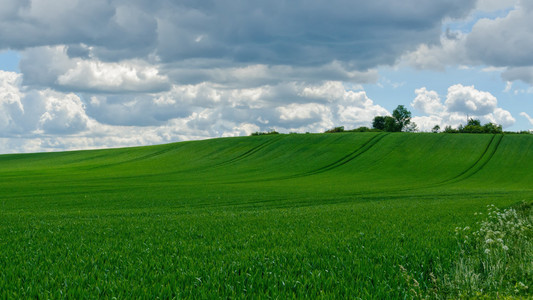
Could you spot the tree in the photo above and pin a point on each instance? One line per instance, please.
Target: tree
(492, 128)
(449, 129)
(411, 127)
(378, 122)
(473, 122)
(400, 120)
(472, 126)
(402, 117)
(392, 125)
(336, 129)
(435, 129)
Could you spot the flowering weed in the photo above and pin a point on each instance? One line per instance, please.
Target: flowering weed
(496, 259)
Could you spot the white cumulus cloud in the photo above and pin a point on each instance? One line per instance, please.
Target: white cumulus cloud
(461, 102)
(11, 108)
(52, 67)
(469, 100)
(62, 113)
(112, 77)
(428, 102)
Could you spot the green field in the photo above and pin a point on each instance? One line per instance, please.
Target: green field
(347, 215)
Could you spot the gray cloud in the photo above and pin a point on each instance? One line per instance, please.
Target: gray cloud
(363, 33)
(505, 42)
(253, 75)
(524, 74)
(54, 67)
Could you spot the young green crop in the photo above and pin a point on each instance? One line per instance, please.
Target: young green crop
(315, 215)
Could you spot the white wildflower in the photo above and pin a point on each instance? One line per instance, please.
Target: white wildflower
(487, 251)
(505, 248)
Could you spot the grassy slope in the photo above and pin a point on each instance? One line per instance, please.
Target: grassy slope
(330, 214)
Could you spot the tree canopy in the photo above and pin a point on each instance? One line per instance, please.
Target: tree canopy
(474, 126)
(400, 120)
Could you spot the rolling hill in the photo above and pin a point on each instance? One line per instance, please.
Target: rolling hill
(330, 215)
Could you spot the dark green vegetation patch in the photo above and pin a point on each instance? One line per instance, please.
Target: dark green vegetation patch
(370, 215)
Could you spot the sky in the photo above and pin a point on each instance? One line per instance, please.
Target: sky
(113, 73)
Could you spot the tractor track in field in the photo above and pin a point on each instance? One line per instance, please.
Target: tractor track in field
(340, 162)
(144, 157)
(151, 155)
(480, 163)
(347, 158)
(247, 153)
(240, 157)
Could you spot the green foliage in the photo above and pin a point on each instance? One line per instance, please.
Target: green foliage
(400, 120)
(492, 128)
(402, 117)
(264, 133)
(496, 258)
(473, 122)
(359, 129)
(386, 123)
(411, 127)
(363, 129)
(435, 129)
(379, 123)
(449, 129)
(391, 125)
(474, 126)
(335, 129)
(279, 216)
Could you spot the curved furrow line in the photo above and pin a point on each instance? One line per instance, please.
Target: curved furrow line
(347, 156)
(345, 159)
(480, 163)
(147, 156)
(361, 150)
(240, 157)
(483, 160)
(151, 155)
(475, 163)
(247, 153)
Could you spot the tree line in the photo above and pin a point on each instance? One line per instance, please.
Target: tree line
(472, 126)
(401, 121)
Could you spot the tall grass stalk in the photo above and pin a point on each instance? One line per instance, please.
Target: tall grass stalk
(497, 259)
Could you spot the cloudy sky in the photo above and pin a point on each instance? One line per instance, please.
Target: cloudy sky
(109, 73)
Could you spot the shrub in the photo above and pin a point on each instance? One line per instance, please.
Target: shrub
(336, 129)
(496, 258)
(264, 133)
(449, 129)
